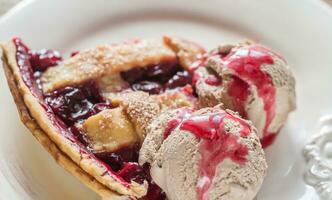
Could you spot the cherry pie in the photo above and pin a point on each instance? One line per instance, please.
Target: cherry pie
(91, 111)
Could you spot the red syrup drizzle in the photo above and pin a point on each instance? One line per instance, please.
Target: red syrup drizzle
(240, 91)
(268, 140)
(202, 62)
(246, 63)
(213, 80)
(180, 115)
(216, 145)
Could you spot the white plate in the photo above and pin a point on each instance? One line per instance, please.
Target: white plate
(299, 30)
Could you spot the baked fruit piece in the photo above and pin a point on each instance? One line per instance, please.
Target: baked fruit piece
(250, 79)
(91, 111)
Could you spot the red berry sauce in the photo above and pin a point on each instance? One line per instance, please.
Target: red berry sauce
(216, 144)
(246, 63)
(174, 122)
(240, 91)
(202, 62)
(213, 80)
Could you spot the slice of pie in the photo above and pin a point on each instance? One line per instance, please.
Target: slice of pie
(91, 110)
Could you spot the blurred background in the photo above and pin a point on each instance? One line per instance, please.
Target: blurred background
(5, 5)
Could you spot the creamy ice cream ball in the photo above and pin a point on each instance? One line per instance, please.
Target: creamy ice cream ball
(251, 80)
(206, 154)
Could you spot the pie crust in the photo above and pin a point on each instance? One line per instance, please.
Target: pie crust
(60, 157)
(89, 65)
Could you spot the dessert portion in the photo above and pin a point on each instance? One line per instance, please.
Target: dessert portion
(96, 105)
(250, 79)
(139, 119)
(205, 154)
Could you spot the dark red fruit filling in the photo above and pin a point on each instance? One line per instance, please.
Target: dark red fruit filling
(162, 72)
(73, 104)
(116, 160)
(74, 53)
(131, 171)
(43, 59)
(181, 78)
(148, 86)
(157, 78)
(79, 136)
(124, 163)
(23, 55)
(154, 192)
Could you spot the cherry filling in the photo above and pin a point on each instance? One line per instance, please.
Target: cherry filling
(70, 105)
(73, 104)
(155, 79)
(43, 59)
(154, 192)
(23, 56)
(116, 160)
(181, 78)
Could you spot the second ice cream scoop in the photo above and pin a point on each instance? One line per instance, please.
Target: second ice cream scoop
(206, 154)
(250, 79)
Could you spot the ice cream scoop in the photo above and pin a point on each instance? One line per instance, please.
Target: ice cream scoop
(250, 79)
(207, 154)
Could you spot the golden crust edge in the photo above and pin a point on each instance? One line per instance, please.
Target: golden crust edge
(16, 88)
